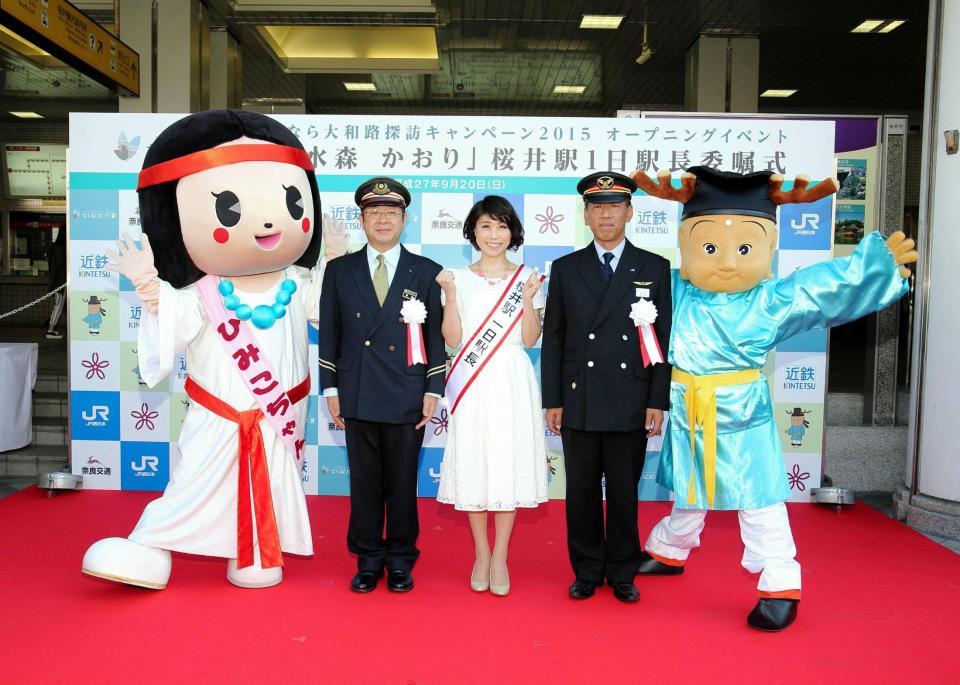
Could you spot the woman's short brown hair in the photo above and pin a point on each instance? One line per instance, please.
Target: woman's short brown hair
(498, 209)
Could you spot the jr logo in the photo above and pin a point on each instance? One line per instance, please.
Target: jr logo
(806, 220)
(97, 412)
(146, 462)
(435, 474)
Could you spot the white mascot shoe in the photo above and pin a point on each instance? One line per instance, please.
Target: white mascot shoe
(253, 576)
(125, 561)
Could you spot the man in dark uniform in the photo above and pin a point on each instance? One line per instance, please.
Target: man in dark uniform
(381, 401)
(599, 395)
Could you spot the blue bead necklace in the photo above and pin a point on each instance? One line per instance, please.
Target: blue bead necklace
(262, 316)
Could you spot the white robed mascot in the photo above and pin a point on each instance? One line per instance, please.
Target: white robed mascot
(229, 272)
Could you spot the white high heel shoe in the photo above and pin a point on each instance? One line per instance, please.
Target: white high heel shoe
(478, 585)
(499, 590)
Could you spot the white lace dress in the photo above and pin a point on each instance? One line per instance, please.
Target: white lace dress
(495, 458)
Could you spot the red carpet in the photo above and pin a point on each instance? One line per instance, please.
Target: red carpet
(881, 605)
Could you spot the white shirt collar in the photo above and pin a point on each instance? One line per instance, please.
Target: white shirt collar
(617, 251)
(391, 256)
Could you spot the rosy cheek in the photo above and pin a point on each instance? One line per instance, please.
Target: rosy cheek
(221, 235)
(305, 225)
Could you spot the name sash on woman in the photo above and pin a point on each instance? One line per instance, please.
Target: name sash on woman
(489, 336)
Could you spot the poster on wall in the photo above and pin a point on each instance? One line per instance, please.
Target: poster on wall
(447, 163)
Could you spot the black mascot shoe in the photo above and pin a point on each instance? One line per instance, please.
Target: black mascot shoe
(365, 581)
(400, 581)
(651, 567)
(773, 615)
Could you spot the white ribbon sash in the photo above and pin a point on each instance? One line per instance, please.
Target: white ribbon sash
(487, 339)
(253, 366)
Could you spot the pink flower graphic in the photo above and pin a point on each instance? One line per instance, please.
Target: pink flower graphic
(145, 417)
(441, 422)
(796, 478)
(549, 221)
(95, 366)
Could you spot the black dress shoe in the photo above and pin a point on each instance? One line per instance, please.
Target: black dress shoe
(400, 581)
(625, 592)
(583, 589)
(773, 615)
(651, 567)
(365, 581)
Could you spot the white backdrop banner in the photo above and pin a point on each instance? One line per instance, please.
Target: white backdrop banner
(125, 433)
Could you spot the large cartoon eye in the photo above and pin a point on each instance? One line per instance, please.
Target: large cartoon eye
(294, 201)
(228, 208)
(709, 248)
(744, 249)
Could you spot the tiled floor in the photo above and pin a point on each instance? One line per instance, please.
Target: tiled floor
(11, 484)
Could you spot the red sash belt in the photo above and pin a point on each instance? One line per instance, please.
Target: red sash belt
(252, 461)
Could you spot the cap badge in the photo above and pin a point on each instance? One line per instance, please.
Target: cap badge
(381, 188)
(604, 182)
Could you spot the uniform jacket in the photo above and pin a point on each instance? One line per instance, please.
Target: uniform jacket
(590, 360)
(363, 347)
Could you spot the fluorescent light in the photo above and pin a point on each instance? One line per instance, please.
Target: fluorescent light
(777, 93)
(349, 85)
(353, 51)
(867, 26)
(601, 21)
(27, 115)
(568, 90)
(892, 25)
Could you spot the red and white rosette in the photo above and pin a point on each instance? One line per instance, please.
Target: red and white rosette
(414, 313)
(644, 313)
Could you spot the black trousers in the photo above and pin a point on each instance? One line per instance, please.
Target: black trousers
(383, 461)
(598, 551)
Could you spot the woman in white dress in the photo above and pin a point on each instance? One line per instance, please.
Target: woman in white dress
(495, 458)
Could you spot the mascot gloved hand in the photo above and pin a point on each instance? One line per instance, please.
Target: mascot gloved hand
(721, 449)
(229, 272)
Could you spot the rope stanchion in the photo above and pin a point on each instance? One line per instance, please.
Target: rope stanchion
(30, 304)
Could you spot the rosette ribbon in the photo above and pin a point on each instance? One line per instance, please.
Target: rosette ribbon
(414, 313)
(644, 313)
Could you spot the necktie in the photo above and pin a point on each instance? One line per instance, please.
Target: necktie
(607, 269)
(380, 285)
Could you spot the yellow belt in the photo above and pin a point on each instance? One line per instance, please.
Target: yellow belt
(700, 398)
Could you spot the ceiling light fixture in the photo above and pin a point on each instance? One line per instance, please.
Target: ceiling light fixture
(601, 21)
(568, 90)
(892, 25)
(777, 93)
(27, 115)
(867, 26)
(352, 85)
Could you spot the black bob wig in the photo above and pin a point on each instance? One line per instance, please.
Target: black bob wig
(159, 214)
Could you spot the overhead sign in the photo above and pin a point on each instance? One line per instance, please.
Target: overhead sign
(67, 33)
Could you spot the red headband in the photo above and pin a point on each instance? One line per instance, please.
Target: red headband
(195, 162)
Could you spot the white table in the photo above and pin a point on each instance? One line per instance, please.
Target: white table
(18, 375)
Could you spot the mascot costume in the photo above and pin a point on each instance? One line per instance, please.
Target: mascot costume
(228, 273)
(722, 449)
